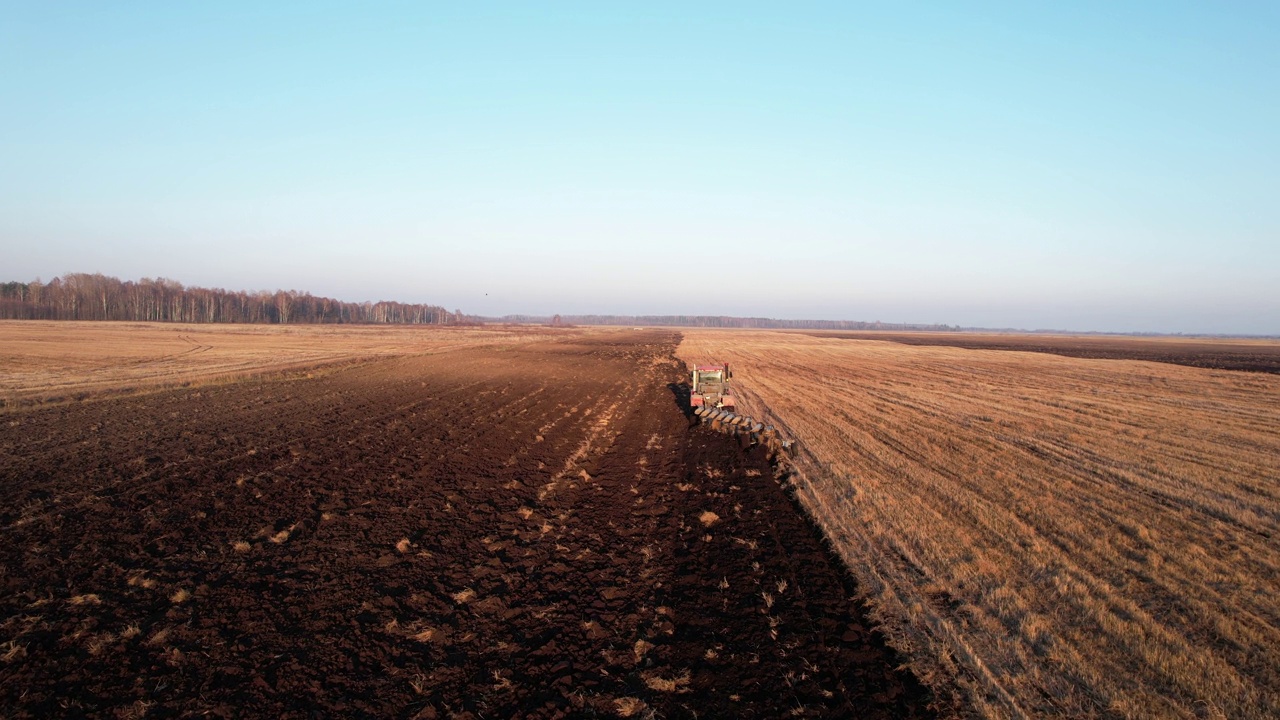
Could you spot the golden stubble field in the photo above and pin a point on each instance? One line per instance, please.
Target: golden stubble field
(1046, 536)
(57, 361)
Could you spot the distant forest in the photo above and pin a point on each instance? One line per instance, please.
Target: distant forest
(80, 296)
(716, 321)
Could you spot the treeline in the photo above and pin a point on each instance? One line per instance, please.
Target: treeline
(721, 321)
(79, 296)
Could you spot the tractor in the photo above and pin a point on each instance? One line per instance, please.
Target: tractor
(710, 388)
(713, 403)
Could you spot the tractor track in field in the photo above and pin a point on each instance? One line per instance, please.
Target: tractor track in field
(528, 532)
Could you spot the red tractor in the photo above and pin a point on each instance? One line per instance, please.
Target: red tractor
(712, 402)
(711, 388)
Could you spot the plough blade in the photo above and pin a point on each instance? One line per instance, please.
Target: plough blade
(743, 426)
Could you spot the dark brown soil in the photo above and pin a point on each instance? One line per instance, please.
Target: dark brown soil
(1251, 355)
(476, 534)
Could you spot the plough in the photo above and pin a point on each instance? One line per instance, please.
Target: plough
(714, 404)
(741, 425)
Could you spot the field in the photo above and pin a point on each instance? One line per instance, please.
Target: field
(466, 523)
(50, 362)
(1042, 535)
(1255, 355)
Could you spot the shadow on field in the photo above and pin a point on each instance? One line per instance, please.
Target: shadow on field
(765, 610)
(680, 392)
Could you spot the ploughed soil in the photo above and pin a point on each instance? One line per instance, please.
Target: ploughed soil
(1225, 354)
(536, 532)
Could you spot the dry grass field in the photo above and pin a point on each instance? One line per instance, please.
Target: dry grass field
(1052, 536)
(48, 362)
(1253, 354)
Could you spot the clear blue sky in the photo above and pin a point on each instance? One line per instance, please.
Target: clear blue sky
(1088, 166)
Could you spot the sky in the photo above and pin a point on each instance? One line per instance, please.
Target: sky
(1079, 166)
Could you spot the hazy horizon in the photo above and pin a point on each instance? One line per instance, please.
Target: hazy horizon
(1088, 168)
